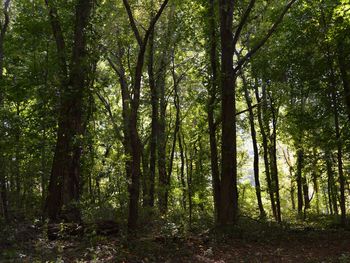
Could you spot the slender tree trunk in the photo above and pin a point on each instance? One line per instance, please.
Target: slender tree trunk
(176, 82)
(145, 175)
(162, 173)
(300, 164)
(340, 160)
(212, 90)
(163, 177)
(343, 66)
(154, 124)
(189, 173)
(273, 162)
(266, 151)
(255, 148)
(292, 189)
(182, 170)
(332, 189)
(228, 211)
(133, 143)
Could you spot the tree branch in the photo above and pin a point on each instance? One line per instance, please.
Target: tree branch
(132, 22)
(107, 106)
(58, 35)
(243, 22)
(262, 42)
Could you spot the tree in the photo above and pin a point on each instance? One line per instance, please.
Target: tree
(64, 187)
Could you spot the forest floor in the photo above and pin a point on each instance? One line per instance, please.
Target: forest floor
(253, 242)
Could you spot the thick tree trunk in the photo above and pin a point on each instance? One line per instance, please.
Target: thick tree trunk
(64, 191)
(228, 211)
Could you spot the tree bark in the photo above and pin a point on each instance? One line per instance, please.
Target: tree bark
(64, 185)
(228, 211)
(212, 90)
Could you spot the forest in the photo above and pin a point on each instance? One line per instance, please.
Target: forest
(175, 131)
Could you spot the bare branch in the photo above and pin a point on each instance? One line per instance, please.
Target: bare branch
(262, 42)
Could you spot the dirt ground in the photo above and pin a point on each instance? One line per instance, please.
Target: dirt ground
(29, 244)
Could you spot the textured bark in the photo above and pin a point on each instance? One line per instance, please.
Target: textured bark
(212, 90)
(228, 211)
(64, 191)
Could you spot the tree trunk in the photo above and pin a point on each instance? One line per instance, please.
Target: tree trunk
(266, 151)
(228, 211)
(340, 160)
(212, 90)
(163, 183)
(3, 179)
(176, 82)
(64, 185)
(273, 162)
(332, 189)
(343, 66)
(300, 164)
(182, 170)
(255, 148)
(154, 124)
